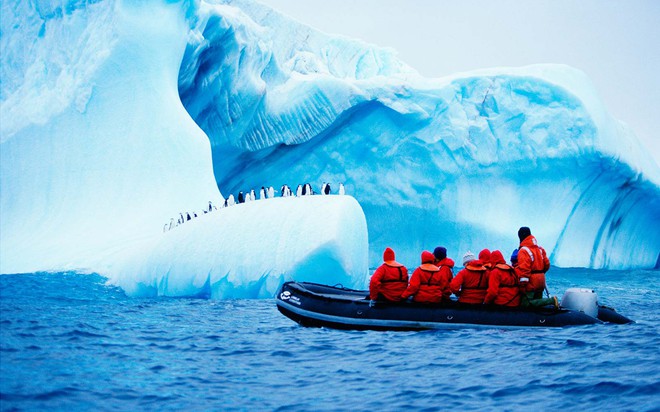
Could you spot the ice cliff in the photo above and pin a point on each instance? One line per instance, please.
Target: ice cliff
(461, 161)
(118, 115)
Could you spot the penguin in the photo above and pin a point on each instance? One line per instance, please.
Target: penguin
(342, 191)
(271, 192)
(210, 206)
(299, 190)
(165, 228)
(188, 216)
(171, 224)
(262, 193)
(231, 201)
(323, 188)
(226, 202)
(308, 189)
(253, 196)
(181, 217)
(241, 197)
(326, 189)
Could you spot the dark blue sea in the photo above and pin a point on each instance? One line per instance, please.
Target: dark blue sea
(70, 342)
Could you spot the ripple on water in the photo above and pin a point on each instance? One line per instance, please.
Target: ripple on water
(196, 354)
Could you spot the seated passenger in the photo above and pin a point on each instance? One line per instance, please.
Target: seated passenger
(446, 266)
(390, 279)
(471, 283)
(503, 288)
(425, 284)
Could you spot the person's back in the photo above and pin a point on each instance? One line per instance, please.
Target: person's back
(471, 283)
(425, 284)
(390, 280)
(532, 264)
(446, 270)
(503, 288)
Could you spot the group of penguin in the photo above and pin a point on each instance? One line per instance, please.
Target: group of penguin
(264, 193)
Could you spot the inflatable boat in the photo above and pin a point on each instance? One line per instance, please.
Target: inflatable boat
(311, 304)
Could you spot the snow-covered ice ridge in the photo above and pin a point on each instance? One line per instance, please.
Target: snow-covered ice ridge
(250, 249)
(97, 149)
(460, 161)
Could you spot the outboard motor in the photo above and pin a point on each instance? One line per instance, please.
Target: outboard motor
(582, 300)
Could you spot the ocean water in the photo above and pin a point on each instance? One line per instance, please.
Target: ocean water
(70, 342)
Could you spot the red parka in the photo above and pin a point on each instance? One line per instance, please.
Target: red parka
(389, 280)
(471, 283)
(426, 285)
(533, 262)
(503, 288)
(446, 274)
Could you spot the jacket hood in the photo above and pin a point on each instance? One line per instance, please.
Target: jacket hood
(427, 257)
(529, 241)
(497, 257)
(388, 255)
(484, 255)
(446, 262)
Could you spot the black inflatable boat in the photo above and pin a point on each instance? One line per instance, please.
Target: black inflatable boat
(316, 305)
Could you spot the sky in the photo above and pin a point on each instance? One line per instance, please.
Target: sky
(615, 42)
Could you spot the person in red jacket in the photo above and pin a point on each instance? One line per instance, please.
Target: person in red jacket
(426, 284)
(390, 279)
(503, 288)
(446, 266)
(533, 262)
(484, 256)
(471, 283)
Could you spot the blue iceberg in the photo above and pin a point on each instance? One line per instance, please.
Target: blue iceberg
(119, 116)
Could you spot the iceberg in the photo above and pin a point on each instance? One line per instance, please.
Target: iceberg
(117, 116)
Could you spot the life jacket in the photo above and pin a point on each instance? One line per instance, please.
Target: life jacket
(473, 283)
(431, 285)
(508, 288)
(390, 280)
(534, 281)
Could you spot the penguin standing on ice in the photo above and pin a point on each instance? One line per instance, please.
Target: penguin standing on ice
(262, 193)
(326, 189)
(307, 190)
(271, 192)
(165, 228)
(171, 224)
(253, 196)
(323, 188)
(210, 206)
(188, 216)
(342, 191)
(230, 200)
(299, 190)
(241, 197)
(181, 218)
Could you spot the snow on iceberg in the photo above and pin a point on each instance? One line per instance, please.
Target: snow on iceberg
(250, 249)
(461, 161)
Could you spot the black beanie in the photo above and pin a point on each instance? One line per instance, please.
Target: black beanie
(440, 253)
(523, 232)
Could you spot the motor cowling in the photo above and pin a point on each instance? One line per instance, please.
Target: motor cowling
(581, 300)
